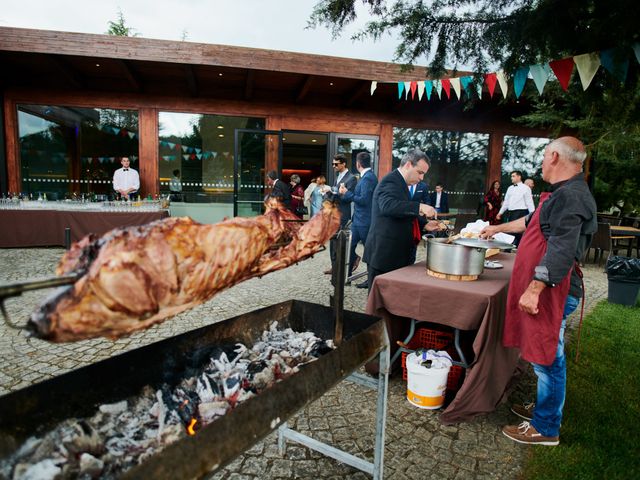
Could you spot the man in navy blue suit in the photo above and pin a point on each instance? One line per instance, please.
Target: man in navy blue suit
(419, 193)
(439, 199)
(361, 198)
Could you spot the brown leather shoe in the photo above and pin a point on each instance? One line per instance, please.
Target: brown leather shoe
(526, 433)
(523, 410)
(328, 272)
(356, 264)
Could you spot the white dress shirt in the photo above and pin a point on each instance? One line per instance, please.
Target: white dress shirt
(341, 176)
(126, 179)
(438, 197)
(518, 197)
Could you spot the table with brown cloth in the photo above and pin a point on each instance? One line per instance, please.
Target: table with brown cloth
(478, 305)
(45, 228)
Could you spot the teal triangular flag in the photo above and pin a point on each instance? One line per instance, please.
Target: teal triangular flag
(466, 81)
(519, 79)
(636, 50)
(400, 89)
(428, 88)
(540, 74)
(618, 69)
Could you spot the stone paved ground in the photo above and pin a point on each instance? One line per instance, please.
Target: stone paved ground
(417, 445)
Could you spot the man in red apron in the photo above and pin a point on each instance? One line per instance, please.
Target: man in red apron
(546, 285)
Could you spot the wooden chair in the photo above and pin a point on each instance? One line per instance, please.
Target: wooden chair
(601, 242)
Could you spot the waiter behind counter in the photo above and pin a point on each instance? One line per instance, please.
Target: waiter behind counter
(548, 287)
(126, 181)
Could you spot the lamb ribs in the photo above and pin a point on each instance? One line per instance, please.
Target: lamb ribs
(132, 278)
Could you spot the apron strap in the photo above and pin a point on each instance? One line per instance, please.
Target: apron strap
(579, 272)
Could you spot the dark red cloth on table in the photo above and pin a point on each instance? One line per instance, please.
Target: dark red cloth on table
(535, 335)
(495, 199)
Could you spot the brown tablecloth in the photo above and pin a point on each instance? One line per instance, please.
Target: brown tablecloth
(43, 228)
(479, 305)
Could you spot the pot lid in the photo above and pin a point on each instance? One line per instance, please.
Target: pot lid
(482, 243)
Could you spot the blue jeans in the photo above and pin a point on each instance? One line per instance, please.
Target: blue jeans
(358, 234)
(552, 383)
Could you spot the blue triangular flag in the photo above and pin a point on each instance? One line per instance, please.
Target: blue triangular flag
(540, 75)
(428, 88)
(400, 89)
(519, 79)
(466, 81)
(618, 69)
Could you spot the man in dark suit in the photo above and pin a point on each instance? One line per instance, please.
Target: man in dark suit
(419, 193)
(279, 189)
(342, 177)
(439, 199)
(361, 198)
(394, 217)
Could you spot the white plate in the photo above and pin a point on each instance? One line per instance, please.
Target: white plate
(491, 265)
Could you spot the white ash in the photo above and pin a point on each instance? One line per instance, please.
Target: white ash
(123, 434)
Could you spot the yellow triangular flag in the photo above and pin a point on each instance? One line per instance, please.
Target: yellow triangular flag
(502, 81)
(374, 85)
(455, 83)
(420, 89)
(587, 66)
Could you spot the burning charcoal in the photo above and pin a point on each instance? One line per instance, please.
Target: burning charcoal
(256, 367)
(90, 465)
(114, 408)
(208, 411)
(85, 440)
(44, 470)
(318, 349)
(231, 385)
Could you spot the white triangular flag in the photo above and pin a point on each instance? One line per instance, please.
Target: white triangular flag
(420, 89)
(587, 66)
(374, 85)
(540, 75)
(407, 89)
(502, 81)
(455, 83)
(438, 85)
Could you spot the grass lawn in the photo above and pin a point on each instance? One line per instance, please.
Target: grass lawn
(600, 435)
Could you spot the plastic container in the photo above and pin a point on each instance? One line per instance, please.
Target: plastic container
(426, 387)
(623, 274)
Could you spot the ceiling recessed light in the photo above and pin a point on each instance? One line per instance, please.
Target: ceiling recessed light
(331, 83)
(97, 64)
(219, 74)
(220, 126)
(221, 135)
(313, 140)
(284, 139)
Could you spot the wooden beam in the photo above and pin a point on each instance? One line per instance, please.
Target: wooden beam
(148, 149)
(67, 72)
(304, 89)
(248, 85)
(192, 81)
(11, 145)
(357, 92)
(130, 75)
(494, 166)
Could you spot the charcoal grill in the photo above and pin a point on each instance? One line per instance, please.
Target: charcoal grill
(79, 393)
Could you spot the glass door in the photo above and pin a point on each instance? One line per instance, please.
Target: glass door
(350, 146)
(257, 152)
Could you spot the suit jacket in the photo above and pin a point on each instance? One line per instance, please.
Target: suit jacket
(282, 191)
(390, 241)
(362, 197)
(421, 195)
(444, 201)
(344, 204)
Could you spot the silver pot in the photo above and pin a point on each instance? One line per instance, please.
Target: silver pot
(452, 259)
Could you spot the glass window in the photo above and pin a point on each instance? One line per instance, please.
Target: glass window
(525, 155)
(196, 162)
(458, 161)
(67, 151)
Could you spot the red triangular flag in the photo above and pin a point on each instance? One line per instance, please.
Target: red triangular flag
(414, 85)
(446, 85)
(563, 70)
(490, 79)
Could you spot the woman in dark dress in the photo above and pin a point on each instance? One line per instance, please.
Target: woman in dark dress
(297, 195)
(492, 203)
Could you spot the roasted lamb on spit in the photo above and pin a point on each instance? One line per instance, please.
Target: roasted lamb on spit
(132, 278)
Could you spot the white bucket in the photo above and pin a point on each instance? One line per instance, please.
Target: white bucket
(426, 387)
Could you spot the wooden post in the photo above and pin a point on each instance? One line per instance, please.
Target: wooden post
(148, 148)
(494, 167)
(385, 162)
(11, 142)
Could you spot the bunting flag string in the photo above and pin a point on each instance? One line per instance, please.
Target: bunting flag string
(614, 60)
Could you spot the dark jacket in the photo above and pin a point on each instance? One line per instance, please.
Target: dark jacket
(444, 201)
(568, 222)
(390, 241)
(344, 204)
(282, 191)
(421, 195)
(362, 197)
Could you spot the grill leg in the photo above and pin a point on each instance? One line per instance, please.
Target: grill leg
(282, 441)
(381, 414)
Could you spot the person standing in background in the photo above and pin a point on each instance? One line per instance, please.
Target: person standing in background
(279, 189)
(518, 202)
(317, 196)
(307, 194)
(343, 176)
(439, 199)
(361, 198)
(492, 203)
(419, 193)
(175, 186)
(297, 195)
(126, 180)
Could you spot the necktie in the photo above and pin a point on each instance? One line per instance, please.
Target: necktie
(125, 169)
(412, 189)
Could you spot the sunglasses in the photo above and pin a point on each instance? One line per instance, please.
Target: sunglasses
(335, 164)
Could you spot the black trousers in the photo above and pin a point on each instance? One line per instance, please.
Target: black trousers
(515, 215)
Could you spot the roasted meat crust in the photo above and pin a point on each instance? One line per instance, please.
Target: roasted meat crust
(135, 277)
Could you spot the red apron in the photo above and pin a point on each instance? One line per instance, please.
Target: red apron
(535, 335)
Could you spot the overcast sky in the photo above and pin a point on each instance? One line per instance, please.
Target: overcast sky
(272, 24)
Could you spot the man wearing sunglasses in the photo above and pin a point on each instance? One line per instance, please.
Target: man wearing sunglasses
(343, 177)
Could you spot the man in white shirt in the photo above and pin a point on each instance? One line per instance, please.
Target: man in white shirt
(518, 201)
(126, 180)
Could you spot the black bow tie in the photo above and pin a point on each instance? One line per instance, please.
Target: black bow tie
(125, 169)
